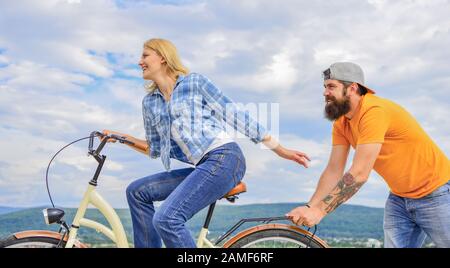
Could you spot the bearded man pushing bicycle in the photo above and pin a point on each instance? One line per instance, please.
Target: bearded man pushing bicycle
(389, 140)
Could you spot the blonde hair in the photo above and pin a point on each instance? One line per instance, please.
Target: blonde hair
(168, 51)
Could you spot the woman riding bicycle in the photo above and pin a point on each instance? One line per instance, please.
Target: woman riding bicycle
(184, 119)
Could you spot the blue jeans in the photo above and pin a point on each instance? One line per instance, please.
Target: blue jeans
(407, 222)
(185, 192)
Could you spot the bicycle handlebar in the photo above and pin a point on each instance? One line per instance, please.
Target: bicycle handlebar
(105, 139)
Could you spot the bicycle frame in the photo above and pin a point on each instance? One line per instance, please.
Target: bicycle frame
(92, 197)
(116, 233)
(202, 241)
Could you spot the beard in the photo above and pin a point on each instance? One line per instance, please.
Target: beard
(336, 108)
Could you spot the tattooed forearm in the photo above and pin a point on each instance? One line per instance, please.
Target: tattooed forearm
(345, 189)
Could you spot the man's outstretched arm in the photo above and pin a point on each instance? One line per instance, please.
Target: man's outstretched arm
(332, 173)
(353, 180)
(346, 187)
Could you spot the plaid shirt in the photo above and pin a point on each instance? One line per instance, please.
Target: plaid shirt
(187, 125)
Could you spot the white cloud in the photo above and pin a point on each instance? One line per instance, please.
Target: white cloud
(270, 177)
(64, 69)
(3, 60)
(28, 156)
(73, 38)
(78, 59)
(128, 92)
(432, 115)
(279, 74)
(37, 77)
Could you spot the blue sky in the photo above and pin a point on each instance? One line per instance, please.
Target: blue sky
(68, 67)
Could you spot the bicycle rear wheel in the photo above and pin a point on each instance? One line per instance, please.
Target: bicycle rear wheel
(277, 238)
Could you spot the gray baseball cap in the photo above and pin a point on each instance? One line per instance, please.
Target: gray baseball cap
(346, 71)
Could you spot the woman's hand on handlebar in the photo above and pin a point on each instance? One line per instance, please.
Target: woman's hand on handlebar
(107, 132)
(137, 144)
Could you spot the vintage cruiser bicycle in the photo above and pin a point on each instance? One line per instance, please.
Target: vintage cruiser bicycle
(265, 234)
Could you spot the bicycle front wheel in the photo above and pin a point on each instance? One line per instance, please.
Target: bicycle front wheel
(31, 242)
(276, 238)
(36, 239)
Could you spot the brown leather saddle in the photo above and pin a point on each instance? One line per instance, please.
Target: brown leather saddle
(233, 194)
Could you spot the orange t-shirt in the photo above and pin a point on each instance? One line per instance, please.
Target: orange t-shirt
(412, 165)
